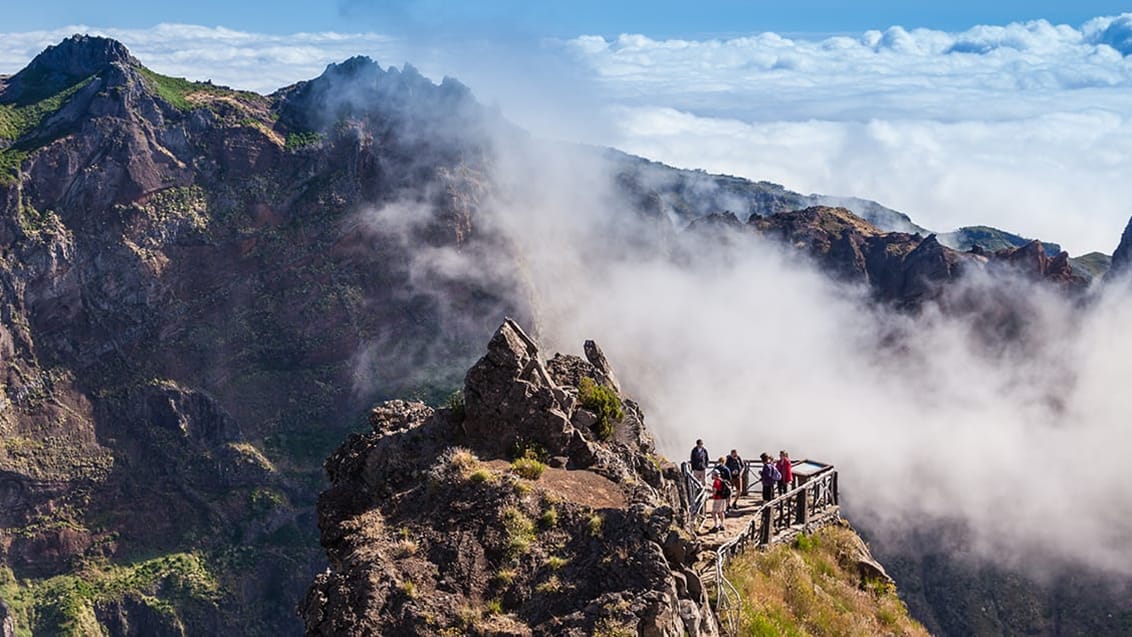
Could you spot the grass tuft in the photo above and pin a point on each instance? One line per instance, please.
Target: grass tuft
(549, 518)
(519, 530)
(528, 468)
(593, 524)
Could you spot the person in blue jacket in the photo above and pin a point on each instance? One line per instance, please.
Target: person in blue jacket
(769, 476)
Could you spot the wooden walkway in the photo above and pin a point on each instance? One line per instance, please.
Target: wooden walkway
(738, 517)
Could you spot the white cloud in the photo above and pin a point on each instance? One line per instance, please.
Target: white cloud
(752, 348)
(1021, 126)
(1060, 176)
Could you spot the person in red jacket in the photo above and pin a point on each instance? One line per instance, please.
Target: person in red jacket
(786, 470)
(718, 501)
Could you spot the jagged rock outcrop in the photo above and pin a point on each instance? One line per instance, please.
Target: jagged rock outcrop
(429, 530)
(1122, 256)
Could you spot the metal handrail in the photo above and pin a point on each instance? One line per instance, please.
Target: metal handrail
(696, 493)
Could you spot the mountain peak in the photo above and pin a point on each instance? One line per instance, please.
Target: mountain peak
(61, 65)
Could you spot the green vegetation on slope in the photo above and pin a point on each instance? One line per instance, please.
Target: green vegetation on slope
(175, 90)
(16, 120)
(171, 89)
(813, 588)
(64, 605)
(302, 139)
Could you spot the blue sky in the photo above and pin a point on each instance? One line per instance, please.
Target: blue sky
(656, 18)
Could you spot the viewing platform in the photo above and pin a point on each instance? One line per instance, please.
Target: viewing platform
(809, 503)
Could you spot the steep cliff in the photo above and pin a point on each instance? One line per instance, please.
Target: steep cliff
(448, 521)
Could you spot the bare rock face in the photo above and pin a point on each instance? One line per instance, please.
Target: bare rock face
(429, 530)
(7, 627)
(511, 385)
(1122, 256)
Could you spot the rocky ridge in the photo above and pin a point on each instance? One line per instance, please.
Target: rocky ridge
(900, 268)
(430, 531)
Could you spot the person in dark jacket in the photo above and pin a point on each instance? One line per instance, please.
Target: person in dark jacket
(786, 470)
(735, 465)
(768, 476)
(699, 462)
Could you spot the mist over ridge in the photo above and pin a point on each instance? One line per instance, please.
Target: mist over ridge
(936, 416)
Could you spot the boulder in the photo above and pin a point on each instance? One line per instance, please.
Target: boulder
(510, 397)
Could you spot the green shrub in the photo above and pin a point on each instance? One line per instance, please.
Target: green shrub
(493, 607)
(171, 89)
(554, 562)
(805, 543)
(410, 589)
(528, 468)
(302, 139)
(604, 402)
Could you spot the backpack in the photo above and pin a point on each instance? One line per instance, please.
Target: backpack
(724, 489)
(773, 473)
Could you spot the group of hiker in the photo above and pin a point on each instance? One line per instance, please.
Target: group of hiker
(727, 479)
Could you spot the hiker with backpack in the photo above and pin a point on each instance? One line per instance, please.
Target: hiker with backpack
(735, 465)
(769, 476)
(786, 470)
(725, 475)
(720, 494)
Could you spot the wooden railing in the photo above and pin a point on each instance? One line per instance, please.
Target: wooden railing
(793, 510)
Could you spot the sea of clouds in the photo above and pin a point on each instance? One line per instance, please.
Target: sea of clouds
(1023, 126)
